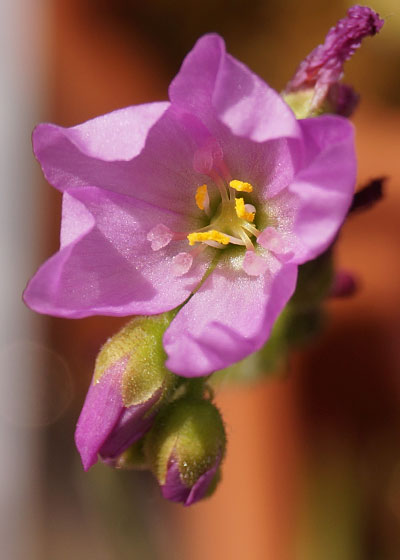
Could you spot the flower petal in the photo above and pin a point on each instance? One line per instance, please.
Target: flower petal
(229, 317)
(173, 489)
(176, 491)
(269, 166)
(214, 85)
(324, 188)
(106, 264)
(133, 423)
(201, 486)
(77, 155)
(158, 169)
(100, 413)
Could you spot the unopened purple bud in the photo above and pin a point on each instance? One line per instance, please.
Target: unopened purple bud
(175, 489)
(185, 448)
(368, 195)
(105, 425)
(342, 99)
(344, 284)
(128, 387)
(323, 67)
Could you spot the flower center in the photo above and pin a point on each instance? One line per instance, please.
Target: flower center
(232, 221)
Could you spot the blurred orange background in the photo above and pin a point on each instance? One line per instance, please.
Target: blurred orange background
(313, 464)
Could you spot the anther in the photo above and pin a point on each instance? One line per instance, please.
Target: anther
(212, 235)
(241, 186)
(202, 199)
(241, 211)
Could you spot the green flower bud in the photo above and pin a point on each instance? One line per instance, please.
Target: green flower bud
(129, 386)
(185, 448)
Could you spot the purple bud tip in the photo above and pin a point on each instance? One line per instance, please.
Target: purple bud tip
(343, 99)
(324, 65)
(344, 284)
(175, 490)
(368, 195)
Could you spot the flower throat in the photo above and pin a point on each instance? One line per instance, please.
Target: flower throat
(230, 222)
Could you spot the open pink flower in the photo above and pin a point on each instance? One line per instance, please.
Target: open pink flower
(212, 199)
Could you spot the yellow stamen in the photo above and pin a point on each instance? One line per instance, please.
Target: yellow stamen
(240, 186)
(201, 196)
(241, 211)
(212, 235)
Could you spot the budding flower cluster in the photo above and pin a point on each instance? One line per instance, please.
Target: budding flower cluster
(223, 204)
(137, 414)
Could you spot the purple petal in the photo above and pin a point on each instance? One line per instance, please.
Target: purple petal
(270, 166)
(176, 491)
(324, 189)
(161, 174)
(234, 314)
(134, 422)
(78, 155)
(220, 89)
(344, 284)
(106, 264)
(100, 413)
(199, 489)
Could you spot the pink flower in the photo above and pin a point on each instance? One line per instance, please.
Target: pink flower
(212, 199)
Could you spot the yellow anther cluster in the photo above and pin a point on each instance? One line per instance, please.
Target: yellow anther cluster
(212, 235)
(240, 186)
(241, 211)
(201, 196)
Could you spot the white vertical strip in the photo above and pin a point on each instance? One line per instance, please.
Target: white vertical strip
(21, 74)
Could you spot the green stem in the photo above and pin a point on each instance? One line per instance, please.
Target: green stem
(195, 387)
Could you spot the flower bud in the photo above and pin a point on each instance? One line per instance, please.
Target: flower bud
(185, 448)
(319, 74)
(344, 284)
(130, 383)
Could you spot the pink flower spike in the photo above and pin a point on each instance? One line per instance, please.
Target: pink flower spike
(323, 67)
(182, 263)
(160, 236)
(272, 240)
(253, 264)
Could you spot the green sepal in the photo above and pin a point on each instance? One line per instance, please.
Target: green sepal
(192, 431)
(300, 102)
(140, 343)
